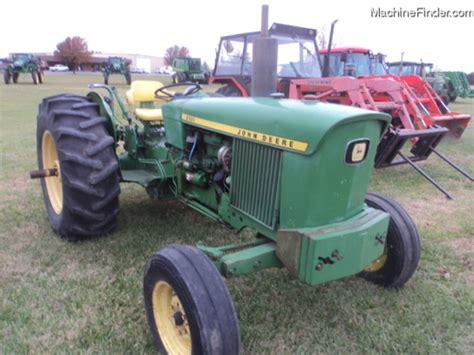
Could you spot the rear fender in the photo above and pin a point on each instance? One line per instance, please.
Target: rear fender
(105, 111)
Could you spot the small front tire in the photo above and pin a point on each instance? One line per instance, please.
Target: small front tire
(402, 248)
(188, 306)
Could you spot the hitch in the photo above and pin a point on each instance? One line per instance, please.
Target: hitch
(38, 174)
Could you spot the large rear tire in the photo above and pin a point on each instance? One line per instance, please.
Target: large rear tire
(34, 75)
(128, 78)
(402, 248)
(40, 77)
(15, 77)
(7, 76)
(229, 90)
(188, 306)
(82, 200)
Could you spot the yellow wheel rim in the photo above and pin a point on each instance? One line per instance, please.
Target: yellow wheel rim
(54, 186)
(171, 320)
(378, 263)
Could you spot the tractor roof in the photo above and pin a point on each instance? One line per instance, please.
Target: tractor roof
(281, 29)
(346, 50)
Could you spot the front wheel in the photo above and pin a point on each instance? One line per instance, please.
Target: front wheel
(188, 306)
(402, 248)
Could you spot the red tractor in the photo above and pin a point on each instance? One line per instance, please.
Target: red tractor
(363, 64)
(299, 75)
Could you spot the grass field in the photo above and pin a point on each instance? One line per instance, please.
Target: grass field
(61, 297)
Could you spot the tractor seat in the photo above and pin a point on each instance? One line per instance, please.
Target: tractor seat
(142, 93)
(149, 114)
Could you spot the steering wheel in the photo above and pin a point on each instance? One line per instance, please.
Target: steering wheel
(164, 95)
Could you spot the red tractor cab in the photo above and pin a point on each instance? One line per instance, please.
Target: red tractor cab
(298, 57)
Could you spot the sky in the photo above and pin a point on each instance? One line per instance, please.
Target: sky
(149, 27)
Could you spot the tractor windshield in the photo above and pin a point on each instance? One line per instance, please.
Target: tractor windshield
(350, 64)
(409, 68)
(296, 57)
(405, 69)
(195, 64)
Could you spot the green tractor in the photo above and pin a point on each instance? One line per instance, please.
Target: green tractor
(23, 63)
(117, 65)
(189, 69)
(294, 172)
(459, 83)
(440, 83)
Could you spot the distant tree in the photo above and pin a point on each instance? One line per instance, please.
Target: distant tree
(73, 52)
(322, 39)
(175, 52)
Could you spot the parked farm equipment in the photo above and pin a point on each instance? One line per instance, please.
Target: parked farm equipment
(439, 83)
(416, 117)
(189, 69)
(23, 63)
(459, 82)
(117, 65)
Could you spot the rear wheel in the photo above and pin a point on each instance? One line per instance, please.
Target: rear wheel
(82, 198)
(7, 76)
(34, 75)
(188, 306)
(128, 78)
(402, 248)
(229, 90)
(40, 77)
(15, 77)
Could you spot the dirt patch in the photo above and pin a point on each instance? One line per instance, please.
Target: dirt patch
(463, 248)
(13, 267)
(439, 214)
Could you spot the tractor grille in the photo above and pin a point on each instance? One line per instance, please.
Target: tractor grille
(255, 179)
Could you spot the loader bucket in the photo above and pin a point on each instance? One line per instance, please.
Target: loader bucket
(455, 123)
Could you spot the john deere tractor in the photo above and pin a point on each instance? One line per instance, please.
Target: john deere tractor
(23, 63)
(189, 69)
(295, 172)
(117, 65)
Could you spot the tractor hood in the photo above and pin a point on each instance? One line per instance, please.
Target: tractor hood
(293, 125)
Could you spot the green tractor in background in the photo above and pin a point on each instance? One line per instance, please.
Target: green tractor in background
(117, 65)
(440, 83)
(189, 69)
(459, 83)
(23, 63)
(294, 172)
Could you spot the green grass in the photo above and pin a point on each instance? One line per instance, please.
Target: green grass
(57, 296)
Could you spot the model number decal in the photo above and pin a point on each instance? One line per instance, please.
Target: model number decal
(282, 142)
